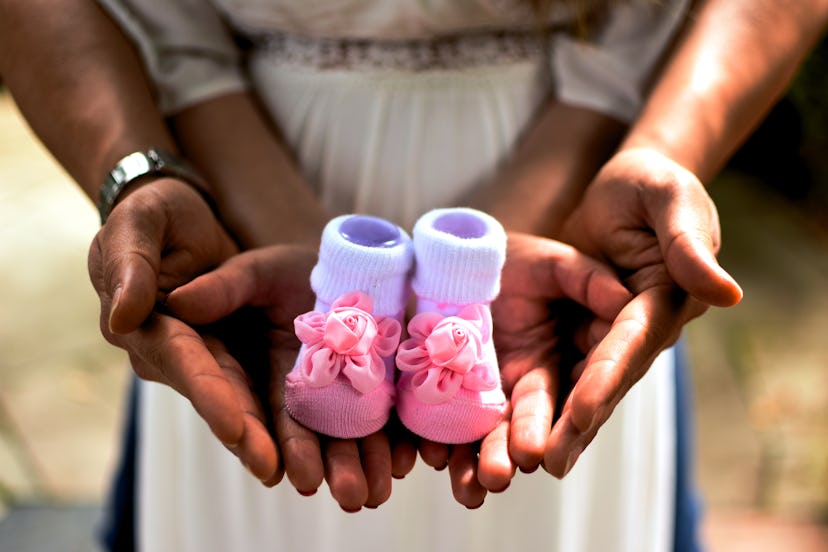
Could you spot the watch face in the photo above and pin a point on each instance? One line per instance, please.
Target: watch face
(135, 165)
(126, 170)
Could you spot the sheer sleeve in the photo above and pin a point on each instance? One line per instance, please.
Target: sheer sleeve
(610, 70)
(189, 52)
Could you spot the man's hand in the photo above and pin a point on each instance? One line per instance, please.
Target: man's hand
(652, 220)
(275, 280)
(160, 236)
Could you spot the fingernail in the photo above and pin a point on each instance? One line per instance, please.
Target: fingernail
(116, 298)
(350, 511)
(474, 507)
(573, 457)
(306, 493)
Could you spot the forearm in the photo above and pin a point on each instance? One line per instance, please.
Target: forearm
(79, 84)
(545, 177)
(261, 196)
(735, 61)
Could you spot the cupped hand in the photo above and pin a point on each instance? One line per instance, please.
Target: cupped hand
(160, 236)
(554, 303)
(652, 220)
(275, 280)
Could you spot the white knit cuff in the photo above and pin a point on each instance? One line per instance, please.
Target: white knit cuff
(381, 272)
(454, 269)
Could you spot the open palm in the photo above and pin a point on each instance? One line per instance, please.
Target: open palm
(654, 223)
(553, 305)
(274, 281)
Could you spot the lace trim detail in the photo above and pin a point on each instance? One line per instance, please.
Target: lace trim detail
(453, 52)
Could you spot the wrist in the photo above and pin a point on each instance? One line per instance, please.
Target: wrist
(163, 199)
(143, 166)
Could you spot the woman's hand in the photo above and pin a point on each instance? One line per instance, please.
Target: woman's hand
(275, 281)
(554, 304)
(652, 220)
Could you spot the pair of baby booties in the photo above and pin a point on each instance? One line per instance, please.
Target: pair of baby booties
(345, 383)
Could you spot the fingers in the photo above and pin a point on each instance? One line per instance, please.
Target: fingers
(274, 277)
(552, 270)
(124, 261)
(375, 453)
(344, 474)
(495, 468)
(301, 454)
(589, 282)
(403, 448)
(692, 264)
(358, 472)
(533, 402)
(465, 486)
(299, 446)
(687, 225)
(174, 354)
(434, 454)
(565, 444)
(256, 449)
(462, 462)
(643, 329)
(647, 325)
(403, 458)
(216, 294)
(161, 235)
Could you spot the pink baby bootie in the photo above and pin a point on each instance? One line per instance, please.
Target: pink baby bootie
(449, 389)
(343, 382)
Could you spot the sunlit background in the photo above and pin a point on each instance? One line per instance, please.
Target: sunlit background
(760, 370)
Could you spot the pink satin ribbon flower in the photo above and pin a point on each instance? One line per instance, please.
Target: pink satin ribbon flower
(348, 340)
(447, 353)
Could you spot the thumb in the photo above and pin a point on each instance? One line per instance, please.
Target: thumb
(687, 226)
(215, 294)
(267, 277)
(547, 269)
(123, 265)
(693, 266)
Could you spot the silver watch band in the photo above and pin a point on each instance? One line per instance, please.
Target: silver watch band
(154, 161)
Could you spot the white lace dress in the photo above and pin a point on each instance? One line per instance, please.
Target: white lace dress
(394, 107)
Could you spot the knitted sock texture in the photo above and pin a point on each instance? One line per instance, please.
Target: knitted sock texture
(344, 266)
(451, 272)
(339, 410)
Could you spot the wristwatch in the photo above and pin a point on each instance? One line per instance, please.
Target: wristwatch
(154, 161)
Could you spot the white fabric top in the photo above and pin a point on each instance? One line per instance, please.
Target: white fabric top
(191, 54)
